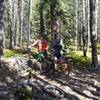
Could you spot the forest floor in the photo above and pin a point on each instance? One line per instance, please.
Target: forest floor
(81, 84)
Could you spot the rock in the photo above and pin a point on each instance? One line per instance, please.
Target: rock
(66, 88)
(9, 80)
(3, 93)
(88, 93)
(91, 88)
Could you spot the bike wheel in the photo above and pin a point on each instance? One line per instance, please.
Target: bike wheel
(47, 67)
(71, 61)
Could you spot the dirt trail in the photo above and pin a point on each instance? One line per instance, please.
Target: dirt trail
(80, 85)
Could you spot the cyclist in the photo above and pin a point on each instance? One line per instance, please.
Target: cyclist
(42, 45)
(57, 50)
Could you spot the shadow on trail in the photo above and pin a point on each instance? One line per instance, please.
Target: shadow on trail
(81, 83)
(7, 83)
(66, 96)
(15, 79)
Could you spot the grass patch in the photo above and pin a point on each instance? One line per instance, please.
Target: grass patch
(78, 56)
(16, 52)
(9, 53)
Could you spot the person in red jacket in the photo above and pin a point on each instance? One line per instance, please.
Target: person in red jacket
(42, 45)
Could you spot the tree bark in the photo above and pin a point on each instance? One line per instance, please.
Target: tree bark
(29, 23)
(88, 41)
(13, 20)
(76, 24)
(1, 30)
(84, 31)
(93, 32)
(21, 31)
(53, 18)
(20, 14)
(16, 33)
(42, 28)
(96, 15)
(10, 25)
(17, 23)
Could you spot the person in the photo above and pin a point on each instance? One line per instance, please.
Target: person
(42, 45)
(57, 50)
(57, 47)
(57, 38)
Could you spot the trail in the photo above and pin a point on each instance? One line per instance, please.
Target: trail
(80, 85)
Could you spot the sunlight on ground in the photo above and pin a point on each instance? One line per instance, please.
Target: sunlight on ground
(77, 86)
(77, 55)
(8, 53)
(16, 52)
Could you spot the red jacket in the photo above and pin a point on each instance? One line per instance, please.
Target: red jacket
(42, 45)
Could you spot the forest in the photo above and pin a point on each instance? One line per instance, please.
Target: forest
(50, 49)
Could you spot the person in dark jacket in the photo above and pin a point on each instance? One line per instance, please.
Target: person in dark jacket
(57, 47)
(57, 50)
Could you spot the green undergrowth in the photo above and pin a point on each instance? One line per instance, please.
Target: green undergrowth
(78, 57)
(14, 52)
(98, 50)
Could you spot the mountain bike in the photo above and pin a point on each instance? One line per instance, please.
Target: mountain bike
(64, 63)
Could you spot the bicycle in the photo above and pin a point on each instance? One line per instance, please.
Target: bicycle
(64, 64)
(46, 66)
(49, 65)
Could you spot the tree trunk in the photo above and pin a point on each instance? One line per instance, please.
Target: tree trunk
(93, 32)
(1, 30)
(21, 30)
(96, 15)
(88, 41)
(84, 31)
(30, 22)
(76, 24)
(16, 33)
(20, 14)
(10, 25)
(53, 18)
(13, 20)
(42, 28)
(81, 32)
(17, 24)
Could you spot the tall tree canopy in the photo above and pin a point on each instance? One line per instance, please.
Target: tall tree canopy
(24, 20)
